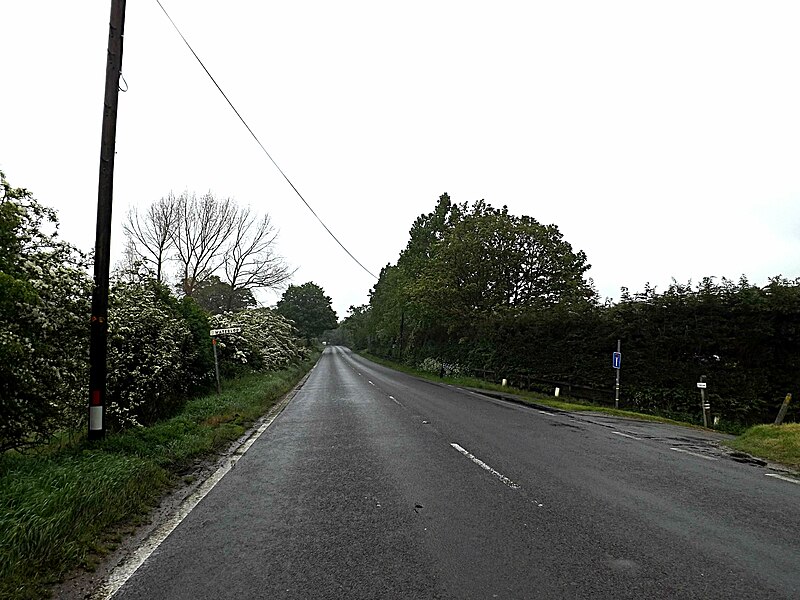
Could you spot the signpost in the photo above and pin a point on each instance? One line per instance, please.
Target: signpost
(214, 333)
(706, 406)
(616, 362)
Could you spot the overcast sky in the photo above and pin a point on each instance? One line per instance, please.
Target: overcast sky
(663, 138)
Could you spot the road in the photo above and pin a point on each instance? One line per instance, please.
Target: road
(375, 484)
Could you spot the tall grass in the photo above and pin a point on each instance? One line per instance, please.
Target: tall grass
(57, 506)
(778, 443)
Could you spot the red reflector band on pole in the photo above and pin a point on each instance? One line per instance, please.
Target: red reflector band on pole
(96, 398)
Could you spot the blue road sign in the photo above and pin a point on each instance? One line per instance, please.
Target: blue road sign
(616, 360)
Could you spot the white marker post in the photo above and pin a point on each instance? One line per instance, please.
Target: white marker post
(214, 333)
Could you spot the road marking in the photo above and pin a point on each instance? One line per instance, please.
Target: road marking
(368, 381)
(392, 398)
(546, 413)
(783, 477)
(693, 453)
(483, 465)
(120, 575)
(627, 435)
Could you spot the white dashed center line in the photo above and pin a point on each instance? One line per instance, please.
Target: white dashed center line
(483, 465)
(626, 435)
(693, 453)
(784, 478)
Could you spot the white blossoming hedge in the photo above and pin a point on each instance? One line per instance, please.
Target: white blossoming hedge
(154, 357)
(267, 341)
(44, 307)
(159, 348)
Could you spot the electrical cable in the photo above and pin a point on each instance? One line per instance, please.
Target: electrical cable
(296, 191)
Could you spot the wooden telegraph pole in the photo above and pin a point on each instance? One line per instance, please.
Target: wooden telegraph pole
(102, 252)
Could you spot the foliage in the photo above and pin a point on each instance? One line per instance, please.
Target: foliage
(467, 268)
(214, 296)
(150, 350)
(267, 341)
(492, 291)
(309, 308)
(44, 308)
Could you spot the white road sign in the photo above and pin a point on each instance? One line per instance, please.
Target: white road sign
(216, 332)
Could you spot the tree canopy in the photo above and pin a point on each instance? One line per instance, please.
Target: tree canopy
(309, 308)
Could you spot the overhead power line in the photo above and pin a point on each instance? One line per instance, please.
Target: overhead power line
(289, 181)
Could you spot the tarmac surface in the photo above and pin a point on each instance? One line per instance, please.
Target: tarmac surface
(376, 484)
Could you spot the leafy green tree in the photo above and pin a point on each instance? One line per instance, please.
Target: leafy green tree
(309, 308)
(215, 296)
(357, 326)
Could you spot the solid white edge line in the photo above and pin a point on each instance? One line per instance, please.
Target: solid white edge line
(483, 465)
(625, 435)
(120, 575)
(693, 453)
(783, 477)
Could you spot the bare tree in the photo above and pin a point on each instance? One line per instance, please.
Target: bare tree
(150, 235)
(250, 261)
(200, 238)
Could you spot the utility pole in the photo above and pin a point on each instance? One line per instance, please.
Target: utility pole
(98, 346)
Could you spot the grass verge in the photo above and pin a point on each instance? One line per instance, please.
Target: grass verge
(531, 397)
(59, 510)
(776, 443)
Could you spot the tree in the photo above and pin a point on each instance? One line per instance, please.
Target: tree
(204, 226)
(209, 238)
(215, 296)
(151, 235)
(309, 308)
(250, 261)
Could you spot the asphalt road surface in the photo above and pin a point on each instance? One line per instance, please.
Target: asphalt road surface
(375, 484)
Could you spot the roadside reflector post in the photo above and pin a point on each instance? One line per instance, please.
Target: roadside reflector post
(558, 391)
(616, 362)
(784, 408)
(706, 406)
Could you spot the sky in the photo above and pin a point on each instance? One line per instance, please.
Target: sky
(662, 138)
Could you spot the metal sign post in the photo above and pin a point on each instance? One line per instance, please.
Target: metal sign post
(616, 362)
(214, 333)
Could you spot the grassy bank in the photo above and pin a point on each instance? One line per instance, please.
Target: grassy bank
(60, 509)
(776, 443)
(532, 397)
(780, 444)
